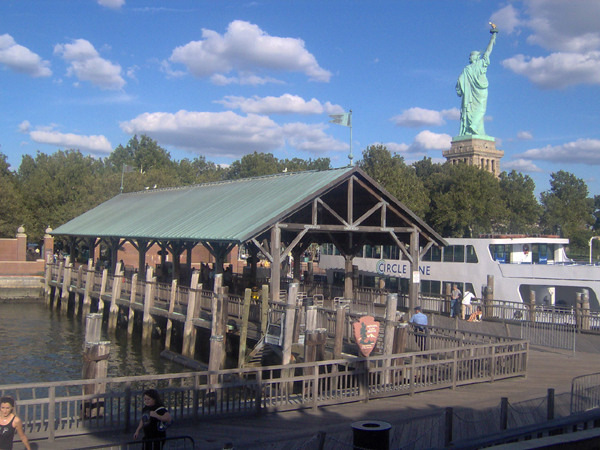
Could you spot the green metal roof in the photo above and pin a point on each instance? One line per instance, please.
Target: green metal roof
(231, 211)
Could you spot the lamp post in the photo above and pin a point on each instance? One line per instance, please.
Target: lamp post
(591, 239)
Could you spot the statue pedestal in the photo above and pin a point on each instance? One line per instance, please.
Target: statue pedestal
(477, 151)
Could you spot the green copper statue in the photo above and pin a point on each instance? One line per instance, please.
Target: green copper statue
(472, 86)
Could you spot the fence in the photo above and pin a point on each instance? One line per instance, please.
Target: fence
(50, 410)
(585, 393)
(554, 335)
(172, 443)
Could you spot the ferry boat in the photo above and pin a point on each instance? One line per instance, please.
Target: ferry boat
(524, 269)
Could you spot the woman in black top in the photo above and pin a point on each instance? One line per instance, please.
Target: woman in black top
(155, 419)
(9, 423)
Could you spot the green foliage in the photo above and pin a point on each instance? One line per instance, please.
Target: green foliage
(396, 177)
(465, 201)
(12, 212)
(523, 210)
(567, 209)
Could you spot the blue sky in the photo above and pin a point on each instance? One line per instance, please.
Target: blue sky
(223, 78)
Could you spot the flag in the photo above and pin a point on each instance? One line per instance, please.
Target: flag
(342, 119)
(127, 169)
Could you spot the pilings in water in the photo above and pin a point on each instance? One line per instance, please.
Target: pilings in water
(95, 366)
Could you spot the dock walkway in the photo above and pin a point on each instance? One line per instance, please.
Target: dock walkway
(546, 369)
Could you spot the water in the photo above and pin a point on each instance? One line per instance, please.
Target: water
(38, 344)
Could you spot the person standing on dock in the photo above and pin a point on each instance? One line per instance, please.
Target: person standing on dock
(9, 423)
(155, 419)
(454, 302)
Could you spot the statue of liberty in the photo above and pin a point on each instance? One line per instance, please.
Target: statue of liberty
(472, 86)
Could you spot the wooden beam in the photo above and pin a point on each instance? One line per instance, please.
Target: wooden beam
(263, 250)
(401, 246)
(292, 245)
(351, 201)
(336, 215)
(369, 213)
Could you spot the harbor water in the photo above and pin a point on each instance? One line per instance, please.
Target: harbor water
(38, 344)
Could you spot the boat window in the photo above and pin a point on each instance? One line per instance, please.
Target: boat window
(433, 254)
(471, 255)
(329, 249)
(500, 252)
(454, 253)
(366, 281)
(338, 278)
(372, 251)
(431, 287)
(391, 252)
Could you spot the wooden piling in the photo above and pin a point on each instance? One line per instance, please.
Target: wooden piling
(288, 330)
(171, 309)
(89, 284)
(95, 366)
(216, 339)
(102, 290)
(189, 331)
(64, 301)
(147, 319)
(264, 310)
(340, 320)
(131, 315)
(115, 294)
(244, 330)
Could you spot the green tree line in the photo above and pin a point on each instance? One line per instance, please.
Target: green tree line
(456, 200)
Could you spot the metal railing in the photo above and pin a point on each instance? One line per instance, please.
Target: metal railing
(585, 393)
(169, 443)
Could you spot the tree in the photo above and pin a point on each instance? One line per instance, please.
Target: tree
(396, 177)
(465, 201)
(254, 165)
(12, 210)
(61, 186)
(567, 210)
(523, 209)
(199, 171)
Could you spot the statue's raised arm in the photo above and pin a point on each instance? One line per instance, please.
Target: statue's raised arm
(472, 86)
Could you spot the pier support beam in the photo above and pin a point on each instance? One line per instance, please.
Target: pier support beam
(147, 319)
(66, 285)
(89, 284)
(172, 299)
(189, 331)
(115, 295)
(131, 316)
(95, 366)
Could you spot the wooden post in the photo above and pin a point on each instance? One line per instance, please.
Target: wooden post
(503, 413)
(244, 330)
(290, 313)
(66, 285)
(264, 310)
(413, 281)
(348, 278)
(102, 290)
(550, 405)
(89, 285)
(388, 336)
(171, 309)
(48, 277)
(95, 366)
(216, 338)
(275, 265)
(585, 309)
(147, 319)
(131, 314)
(189, 331)
(224, 293)
(448, 427)
(115, 293)
(340, 321)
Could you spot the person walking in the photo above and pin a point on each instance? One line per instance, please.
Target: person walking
(467, 308)
(9, 423)
(155, 419)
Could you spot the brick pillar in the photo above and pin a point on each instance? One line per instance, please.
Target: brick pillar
(21, 244)
(48, 245)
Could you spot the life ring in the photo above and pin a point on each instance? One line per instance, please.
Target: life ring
(525, 249)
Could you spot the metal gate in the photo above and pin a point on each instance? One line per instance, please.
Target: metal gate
(555, 335)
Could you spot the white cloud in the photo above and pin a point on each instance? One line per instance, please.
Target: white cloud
(570, 29)
(426, 140)
(520, 165)
(566, 26)
(89, 144)
(87, 65)
(246, 49)
(228, 134)
(312, 138)
(506, 19)
(524, 135)
(22, 60)
(582, 151)
(285, 104)
(420, 117)
(251, 80)
(394, 147)
(112, 4)
(557, 70)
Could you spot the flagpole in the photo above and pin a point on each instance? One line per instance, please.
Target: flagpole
(351, 156)
(122, 173)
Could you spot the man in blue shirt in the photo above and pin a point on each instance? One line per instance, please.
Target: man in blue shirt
(418, 317)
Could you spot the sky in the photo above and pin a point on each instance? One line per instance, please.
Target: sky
(224, 78)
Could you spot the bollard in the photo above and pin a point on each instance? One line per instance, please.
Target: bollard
(371, 434)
